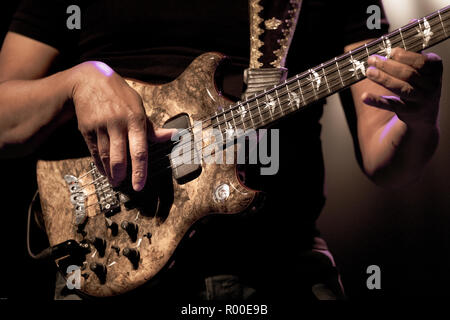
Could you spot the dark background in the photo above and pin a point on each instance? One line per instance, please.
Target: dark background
(405, 231)
(21, 277)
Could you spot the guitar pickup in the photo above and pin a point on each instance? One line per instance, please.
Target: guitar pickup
(186, 166)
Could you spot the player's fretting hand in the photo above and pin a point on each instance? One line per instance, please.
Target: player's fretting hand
(414, 78)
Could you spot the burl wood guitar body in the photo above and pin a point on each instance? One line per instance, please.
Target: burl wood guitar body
(179, 205)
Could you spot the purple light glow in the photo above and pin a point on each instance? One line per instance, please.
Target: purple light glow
(103, 68)
(388, 127)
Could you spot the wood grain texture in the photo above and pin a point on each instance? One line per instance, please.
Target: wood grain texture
(194, 93)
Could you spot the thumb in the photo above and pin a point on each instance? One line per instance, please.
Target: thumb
(162, 134)
(390, 103)
(159, 134)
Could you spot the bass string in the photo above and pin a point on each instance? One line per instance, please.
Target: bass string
(407, 39)
(416, 42)
(284, 102)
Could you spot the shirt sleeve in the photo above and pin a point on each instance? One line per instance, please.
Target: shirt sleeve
(44, 21)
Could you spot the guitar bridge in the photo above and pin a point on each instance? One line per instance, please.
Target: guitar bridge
(108, 200)
(78, 199)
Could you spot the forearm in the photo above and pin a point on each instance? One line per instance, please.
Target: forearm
(397, 109)
(396, 153)
(31, 109)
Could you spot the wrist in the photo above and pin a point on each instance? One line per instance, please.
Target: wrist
(86, 71)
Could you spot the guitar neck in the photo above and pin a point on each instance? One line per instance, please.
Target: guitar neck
(300, 91)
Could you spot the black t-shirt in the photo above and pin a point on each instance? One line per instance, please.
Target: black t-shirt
(155, 41)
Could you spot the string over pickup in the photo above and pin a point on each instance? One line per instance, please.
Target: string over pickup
(108, 199)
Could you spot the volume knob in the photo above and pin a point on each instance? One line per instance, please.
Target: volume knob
(131, 228)
(100, 245)
(100, 270)
(132, 255)
(111, 225)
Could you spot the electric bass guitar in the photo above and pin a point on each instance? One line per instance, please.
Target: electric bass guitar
(120, 239)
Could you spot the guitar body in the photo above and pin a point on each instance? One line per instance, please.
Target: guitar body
(133, 236)
(174, 208)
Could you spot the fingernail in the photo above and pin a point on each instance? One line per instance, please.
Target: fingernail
(138, 182)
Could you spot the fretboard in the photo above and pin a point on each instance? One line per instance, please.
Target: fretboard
(300, 91)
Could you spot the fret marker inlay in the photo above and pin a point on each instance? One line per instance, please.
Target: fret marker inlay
(271, 103)
(357, 65)
(426, 33)
(229, 131)
(242, 111)
(315, 79)
(294, 99)
(386, 48)
(327, 78)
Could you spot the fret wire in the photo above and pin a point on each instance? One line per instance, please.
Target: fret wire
(383, 39)
(301, 98)
(445, 15)
(411, 32)
(313, 84)
(301, 102)
(220, 128)
(284, 101)
(394, 37)
(442, 23)
(233, 117)
(259, 109)
(326, 80)
(417, 42)
(301, 91)
(403, 40)
(243, 119)
(267, 106)
(288, 92)
(276, 92)
(227, 123)
(367, 50)
(418, 21)
(399, 40)
(337, 69)
(251, 117)
(408, 33)
(354, 66)
(315, 92)
(434, 21)
(374, 45)
(437, 37)
(294, 97)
